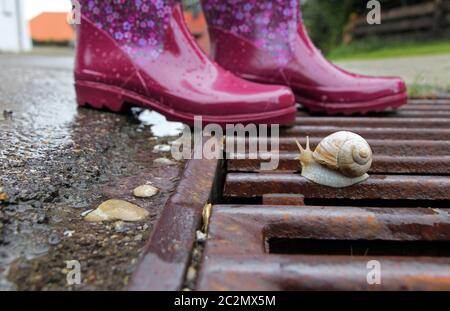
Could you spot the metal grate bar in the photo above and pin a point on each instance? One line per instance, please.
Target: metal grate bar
(375, 122)
(379, 146)
(430, 102)
(280, 273)
(426, 107)
(382, 164)
(400, 216)
(402, 114)
(237, 255)
(391, 187)
(373, 133)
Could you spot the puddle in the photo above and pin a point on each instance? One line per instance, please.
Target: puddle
(57, 160)
(22, 237)
(29, 128)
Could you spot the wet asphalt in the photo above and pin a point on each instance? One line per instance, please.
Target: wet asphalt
(57, 161)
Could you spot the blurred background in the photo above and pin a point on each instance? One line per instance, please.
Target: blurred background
(410, 41)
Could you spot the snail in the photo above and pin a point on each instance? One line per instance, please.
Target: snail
(340, 160)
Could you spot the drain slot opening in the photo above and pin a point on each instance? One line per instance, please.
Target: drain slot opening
(345, 202)
(376, 203)
(358, 247)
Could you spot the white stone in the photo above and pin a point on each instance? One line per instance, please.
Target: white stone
(117, 210)
(145, 191)
(69, 233)
(161, 148)
(86, 212)
(201, 237)
(164, 161)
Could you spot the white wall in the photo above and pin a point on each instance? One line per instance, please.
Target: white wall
(14, 32)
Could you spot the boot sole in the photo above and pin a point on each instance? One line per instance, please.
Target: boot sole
(350, 108)
(116, 99)
(345, 108)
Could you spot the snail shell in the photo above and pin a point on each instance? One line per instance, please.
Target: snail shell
(340, 160)
(346, 152)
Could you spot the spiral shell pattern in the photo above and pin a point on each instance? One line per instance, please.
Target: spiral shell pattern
(346, 152)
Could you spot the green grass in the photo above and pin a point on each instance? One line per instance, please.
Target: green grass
(374, 48)
(421, 90)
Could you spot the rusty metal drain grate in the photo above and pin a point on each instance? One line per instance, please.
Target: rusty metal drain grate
(278, 231)
(238, 253)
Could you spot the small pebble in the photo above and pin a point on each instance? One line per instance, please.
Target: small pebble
(145, 191)
(54, 239)
(164, 161)
(7, 114)
(57, 219)
(138, 237)
(40, 249)
(86, 212)
(119, 226)
(69, 233)
(117, 210)
(39, 219)
(161, 148)
(191, 274)
(201, 237)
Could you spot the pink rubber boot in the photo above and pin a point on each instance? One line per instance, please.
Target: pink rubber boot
(141, 53)
(265, 41)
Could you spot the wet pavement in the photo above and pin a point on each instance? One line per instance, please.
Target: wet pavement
(58, 161)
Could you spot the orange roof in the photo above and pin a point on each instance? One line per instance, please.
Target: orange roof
(198, 28)
(51, 26)
(197, 24)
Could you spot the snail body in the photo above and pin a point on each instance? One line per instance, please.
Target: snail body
(340, 160)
